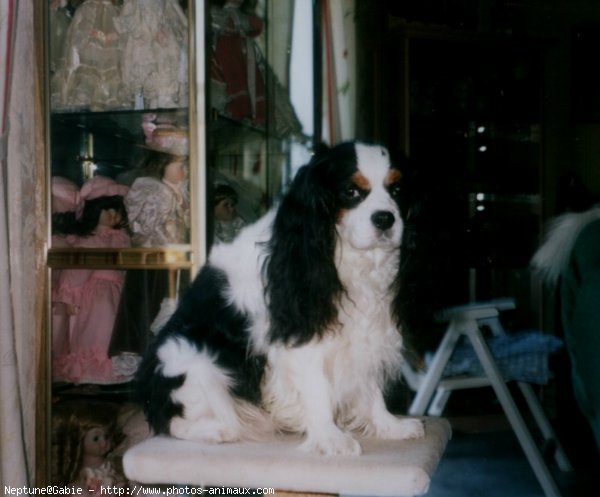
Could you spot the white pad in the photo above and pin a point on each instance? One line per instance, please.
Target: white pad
(385, 468)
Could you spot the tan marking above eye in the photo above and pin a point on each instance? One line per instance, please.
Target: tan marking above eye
(359, 180)
(393, 176)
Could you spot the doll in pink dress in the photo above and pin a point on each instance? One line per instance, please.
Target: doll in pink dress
(91, 296)
(65, 197)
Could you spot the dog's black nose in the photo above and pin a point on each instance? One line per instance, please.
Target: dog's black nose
(382, 220)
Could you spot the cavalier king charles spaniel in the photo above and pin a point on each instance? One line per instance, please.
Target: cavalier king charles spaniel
(294, 326)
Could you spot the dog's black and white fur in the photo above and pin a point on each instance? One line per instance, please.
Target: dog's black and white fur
(294, 322)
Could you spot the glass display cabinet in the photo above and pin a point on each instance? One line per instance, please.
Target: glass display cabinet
(170, 125)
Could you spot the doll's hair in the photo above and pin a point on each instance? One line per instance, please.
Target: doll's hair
(92, 209)
(63, 223)
(247, 6)
(71, 421)
(223, 191)
(154, 163)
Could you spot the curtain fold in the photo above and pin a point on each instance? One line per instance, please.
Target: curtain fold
(22, 236)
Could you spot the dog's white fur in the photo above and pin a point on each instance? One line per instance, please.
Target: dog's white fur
(331, 385)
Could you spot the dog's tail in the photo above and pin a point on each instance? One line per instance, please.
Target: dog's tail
(553, 256)
(153, 392)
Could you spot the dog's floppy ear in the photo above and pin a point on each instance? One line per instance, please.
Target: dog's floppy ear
(303, 286)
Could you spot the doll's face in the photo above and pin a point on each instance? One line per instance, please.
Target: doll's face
(110, 218)
(176, 171)
(96, 442)
(225, 210)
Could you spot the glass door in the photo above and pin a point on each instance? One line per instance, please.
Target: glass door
(469, 114)
(171, 124)
(124, 188)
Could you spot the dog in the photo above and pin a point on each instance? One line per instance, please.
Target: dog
(293, 326)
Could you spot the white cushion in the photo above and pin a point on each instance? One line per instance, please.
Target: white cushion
(385, 468)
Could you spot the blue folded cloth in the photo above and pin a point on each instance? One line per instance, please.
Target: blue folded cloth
(521, 356)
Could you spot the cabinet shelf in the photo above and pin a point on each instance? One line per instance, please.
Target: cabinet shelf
(122, 124)
(179, 257)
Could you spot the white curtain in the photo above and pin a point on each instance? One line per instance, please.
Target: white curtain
(280, 15)
(22, 227)
(339, 70)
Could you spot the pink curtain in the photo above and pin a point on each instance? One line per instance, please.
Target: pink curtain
(21, 242)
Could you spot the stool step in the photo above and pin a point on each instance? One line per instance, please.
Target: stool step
(477, 310)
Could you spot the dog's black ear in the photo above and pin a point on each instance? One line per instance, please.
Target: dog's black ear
(303, 286)
(321, 149)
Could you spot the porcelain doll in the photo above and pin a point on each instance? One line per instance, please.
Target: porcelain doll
(227, 224)
(91, 296)
(158, 211)
(84, 436)
(60, 18)
(243, 85)
(158, 202)
(154, 60)
(236, 74)
(88, 76)
(65, 197)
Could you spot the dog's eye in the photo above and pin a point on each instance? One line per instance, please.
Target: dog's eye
(352, 192)
(395, 190)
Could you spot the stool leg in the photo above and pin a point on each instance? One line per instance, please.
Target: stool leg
(534, 406)
(514, 416)
(434, 372)
(436, 408)
(545, 427)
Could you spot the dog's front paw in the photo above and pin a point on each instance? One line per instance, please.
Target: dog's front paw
(333, 444)
(203, 430)
(393, 428)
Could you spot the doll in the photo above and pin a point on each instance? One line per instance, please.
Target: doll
(158, 201)
(89, 76)
(158, 211)
(60, 18)
(84, 436)
(227, 223)
(240, 77)
(154, 61)
(91, 296)
(236, 76)
(65, 197)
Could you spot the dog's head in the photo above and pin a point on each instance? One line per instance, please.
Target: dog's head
(349, 194)
(368, 194)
